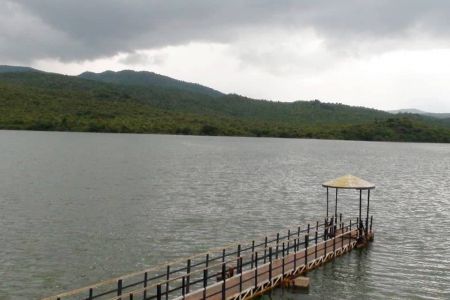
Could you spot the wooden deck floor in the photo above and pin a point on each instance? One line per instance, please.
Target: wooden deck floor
(260, 279)
(251, 268)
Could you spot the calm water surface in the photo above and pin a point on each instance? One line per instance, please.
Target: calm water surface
(76, 208)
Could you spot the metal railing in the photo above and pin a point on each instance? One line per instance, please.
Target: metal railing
(179, 278)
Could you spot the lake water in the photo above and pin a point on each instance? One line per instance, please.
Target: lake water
(76, 208)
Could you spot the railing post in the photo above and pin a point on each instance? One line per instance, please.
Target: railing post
(158, 292)
(256, 269)
(253, 251)
(239, 250)
(315, 252)
(144, 294)
(308, 228)
(167, 283)
(334, 243)
(349, 237)
(205, 282)
(298, 232)
(283, 249)
(240, 275)
(223, 255)
(270, 264)
(306, 250)
(188, 277)
(224, 280)
(295, 255)
(278, 240)
(131, 296)
(289, 238)
(283, 261)
(325, 229)
(340, 218)
(265, 249)
(237, 265)
(183, 286)
(91, 293)
(371, 220)
(331, 229)
(119, 288)
(224, 271)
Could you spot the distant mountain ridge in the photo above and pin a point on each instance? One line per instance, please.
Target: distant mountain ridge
(420, 112)
(17, 69)
(149, 79)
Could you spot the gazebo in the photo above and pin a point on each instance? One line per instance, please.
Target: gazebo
(353, 183)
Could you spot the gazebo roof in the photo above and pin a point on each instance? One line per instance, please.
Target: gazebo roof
(349, 182)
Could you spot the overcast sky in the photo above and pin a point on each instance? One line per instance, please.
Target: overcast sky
(385, 54)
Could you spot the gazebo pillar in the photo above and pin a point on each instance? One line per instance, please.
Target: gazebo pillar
(335, 208)
(360, 208)
(367, 218)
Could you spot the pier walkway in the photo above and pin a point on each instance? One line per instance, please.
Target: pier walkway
(240, 271)
(245, 269)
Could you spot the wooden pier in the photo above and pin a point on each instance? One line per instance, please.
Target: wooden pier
(243, 270)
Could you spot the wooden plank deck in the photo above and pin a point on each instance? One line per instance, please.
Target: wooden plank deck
(250, 267)
(260, 279)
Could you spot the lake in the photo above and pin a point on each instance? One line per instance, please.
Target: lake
(76, 208)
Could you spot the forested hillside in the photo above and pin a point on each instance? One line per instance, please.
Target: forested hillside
(149, 79)
(46, 101)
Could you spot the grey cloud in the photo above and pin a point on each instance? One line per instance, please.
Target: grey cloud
(72, 30)
(137, 58)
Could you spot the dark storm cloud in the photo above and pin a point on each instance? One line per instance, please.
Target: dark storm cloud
(73, 30)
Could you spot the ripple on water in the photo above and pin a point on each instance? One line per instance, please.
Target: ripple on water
(77, 208)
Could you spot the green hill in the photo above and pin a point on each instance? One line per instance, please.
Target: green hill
(47, 101)
(149, 79)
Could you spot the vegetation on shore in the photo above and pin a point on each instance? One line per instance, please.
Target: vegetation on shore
(45, 101)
